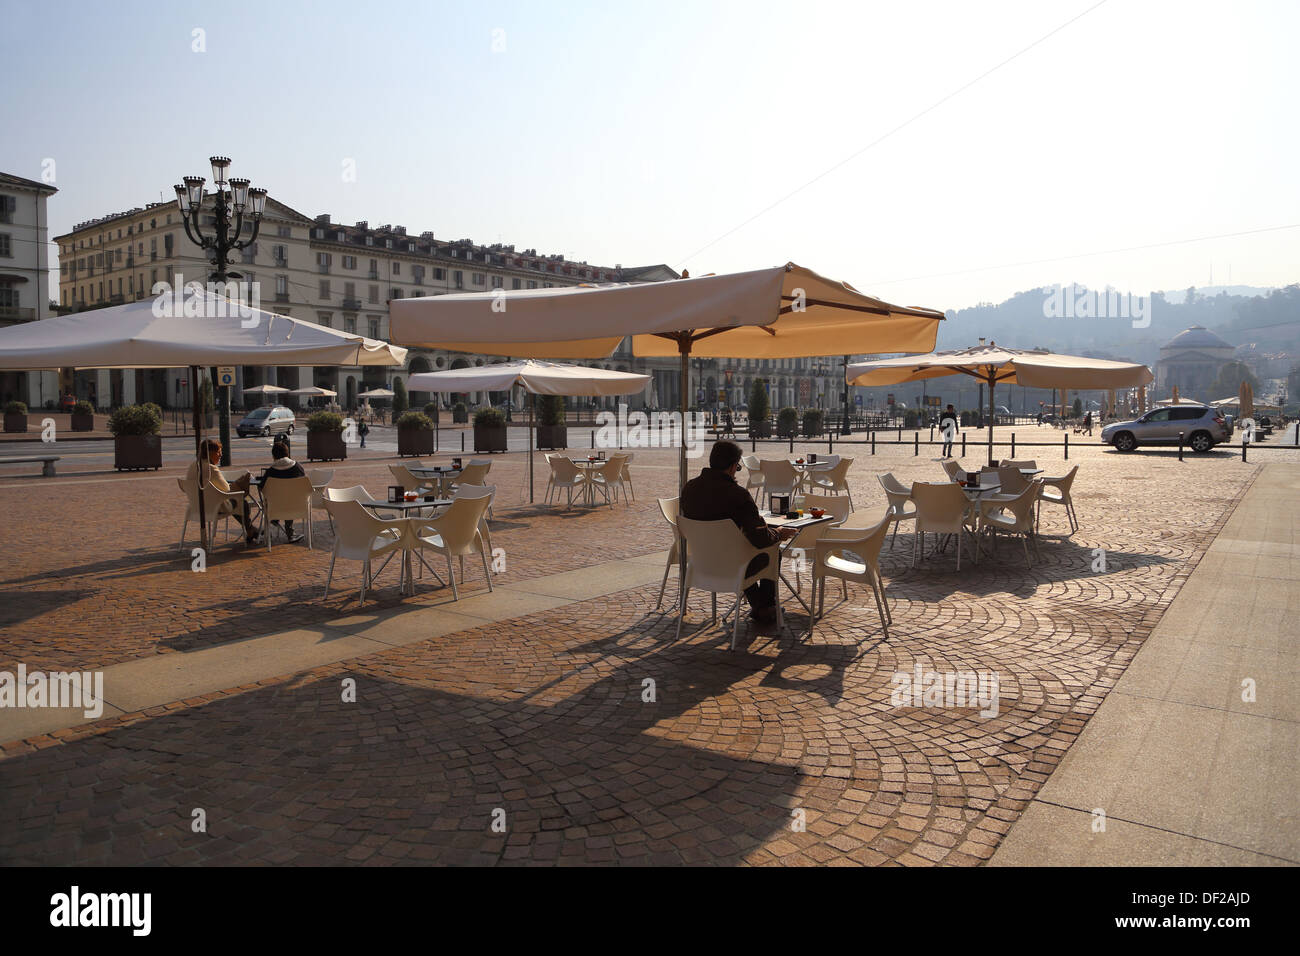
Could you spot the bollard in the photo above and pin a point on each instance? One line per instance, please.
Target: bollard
(593, 438)
(1243, 449)
(753, 442)
(1067, 446)
(1013, 444)
(916, 443)
(900, 435)
(963, 444)
(792, 443)
(830, 443)
(931, 434)
(873, 443)
(462, 441)
(1180, 446)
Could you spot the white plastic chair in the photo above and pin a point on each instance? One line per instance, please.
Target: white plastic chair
(669, 508)
(834, 481)
(779, 477)
(287, 499)
(627, 474)
(953, 469)
(217, 505)
(409, 482)
(851, 554)
(455, 532)
(753, 474)
(717, 556)
(899, 497)
(475, 473)
(825, 463)
(608, 478)
(1056, 491)
(320, 478)
(942, 509)
(480, 491)
(565, 475)
(1011, 480)
(1015, 516)
(837, 506)
(354, 493)
(360, 536)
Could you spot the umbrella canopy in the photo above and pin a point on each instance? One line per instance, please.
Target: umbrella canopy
(132, 336)
(376, 393)
(314, 391)
(265, 390)
(783, 312)
(995, 365)
(539, 378)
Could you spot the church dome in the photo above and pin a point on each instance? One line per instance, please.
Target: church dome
(1197, 337)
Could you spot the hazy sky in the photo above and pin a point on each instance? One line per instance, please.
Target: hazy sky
(622, 132)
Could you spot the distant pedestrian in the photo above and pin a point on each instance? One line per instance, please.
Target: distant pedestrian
(363, 430)
(1087, 424)
(948, 428)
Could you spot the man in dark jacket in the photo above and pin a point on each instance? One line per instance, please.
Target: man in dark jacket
(714, 495)
(283, 467)
(948, 430)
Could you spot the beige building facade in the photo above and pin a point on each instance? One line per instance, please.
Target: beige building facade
(25, 277)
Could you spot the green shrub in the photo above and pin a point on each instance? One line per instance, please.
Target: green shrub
(787, 421)
(814, 422)
(417, 420)
(1078, 408)
(155, 410)
(15, 408)
(550, 410)
(206, 403)
(135, 420)
(459, 413)
(324, 422)
(432, 410)
(84, 408)
(400, 403)
(760, 409)
(910, 418)
(489, 417)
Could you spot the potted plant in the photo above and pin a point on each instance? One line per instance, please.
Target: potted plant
(490, 430)
(551, 429)
(137, 442)
(432, 411)
(759, 410)
(15, 417)
(787, 422)
(400, 402)
(459, 413)
(325, 437)
(83, 417)
(814, 423)
(415, 434)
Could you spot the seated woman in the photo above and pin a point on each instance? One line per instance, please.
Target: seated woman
(283, 467)
(211, 451)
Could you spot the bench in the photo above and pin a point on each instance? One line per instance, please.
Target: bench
(47, 463)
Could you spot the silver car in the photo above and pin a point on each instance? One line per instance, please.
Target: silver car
(1201, 427)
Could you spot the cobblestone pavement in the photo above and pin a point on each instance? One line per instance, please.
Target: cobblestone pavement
(546, 717)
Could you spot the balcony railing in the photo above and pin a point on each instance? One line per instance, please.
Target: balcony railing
(351, 304)
(15, 313)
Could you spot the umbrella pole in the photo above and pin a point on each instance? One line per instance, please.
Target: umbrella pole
(992, 381)
(684, 346)
(532, 400)
(198, 457)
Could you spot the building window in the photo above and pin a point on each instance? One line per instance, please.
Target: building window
(323, 261)
(153, 248)
(280, 254)
(477, 278)
(6, 246)
(373, 330)
(325, 289)
(8, 206)
(284, 232)
(459, 278)
(397, 268)
(532, 283)
(350, 324)
(8, 296)
(349, 290)
(439, 274)
(326, 319)
(516, 284)
(417, 275)
(282, 286)
(349, 262)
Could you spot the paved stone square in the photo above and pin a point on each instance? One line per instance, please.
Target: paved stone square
(788, 751)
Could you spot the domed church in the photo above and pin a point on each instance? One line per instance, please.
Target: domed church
(1191, 360)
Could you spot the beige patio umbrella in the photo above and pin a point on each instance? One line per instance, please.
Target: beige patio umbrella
(994, 364)
(265, 391)
(783, 312)
(193, 328)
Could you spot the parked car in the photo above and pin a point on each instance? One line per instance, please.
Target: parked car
(265, 421)
(1201, 426)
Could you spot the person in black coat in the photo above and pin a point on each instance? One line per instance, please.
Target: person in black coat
(714, 495)
(283, 467)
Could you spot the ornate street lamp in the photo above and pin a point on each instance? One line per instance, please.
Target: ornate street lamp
(233, 200)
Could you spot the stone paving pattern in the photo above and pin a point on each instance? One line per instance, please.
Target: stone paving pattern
(543, 716)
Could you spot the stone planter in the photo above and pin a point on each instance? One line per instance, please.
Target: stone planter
(459, 418)
(15, 422)
(326, 446)
(137, 452)
(760, 429)
(83, 423)
(552, 436)
(414, 441)
(489, 437)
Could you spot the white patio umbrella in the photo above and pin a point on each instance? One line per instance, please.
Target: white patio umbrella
(376, 393)
(265, 390)
(537, 378)
(191, 328)
(994, 364)
(783, 312)
(314, 391)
